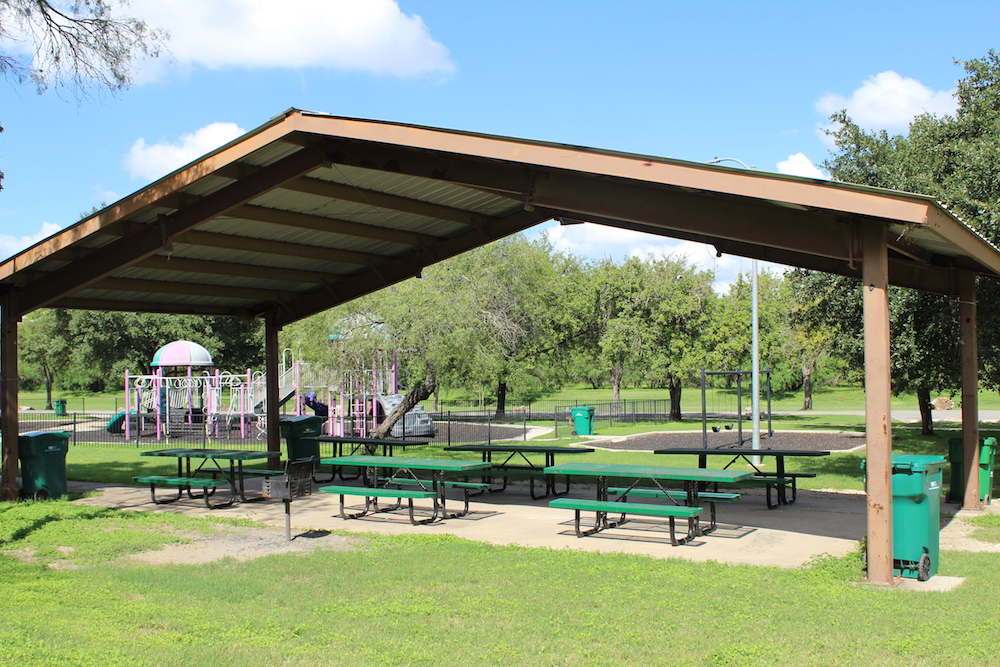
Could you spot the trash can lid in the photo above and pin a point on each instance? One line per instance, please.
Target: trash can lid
(918, 463)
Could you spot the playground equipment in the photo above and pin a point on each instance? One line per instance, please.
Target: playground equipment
(722, 407)
(183, 396)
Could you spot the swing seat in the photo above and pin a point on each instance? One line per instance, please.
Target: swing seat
(715, 429)
(729, 427)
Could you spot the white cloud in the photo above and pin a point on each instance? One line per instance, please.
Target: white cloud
(358, 35)
(11, 245)
(799, 165)
(888, 101)
(149, 162)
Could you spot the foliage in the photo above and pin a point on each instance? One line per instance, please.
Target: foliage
(953, 159)
(75, 43)
(43, 344)
(649, 315)
(92, 349)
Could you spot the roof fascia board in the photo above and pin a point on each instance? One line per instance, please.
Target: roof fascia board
(858, 200)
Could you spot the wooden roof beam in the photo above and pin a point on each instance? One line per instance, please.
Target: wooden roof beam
(151, 238)
(209, 267)
(269, 247)
(407, 266)
(376, 199)
(331, 225)
(190, 289)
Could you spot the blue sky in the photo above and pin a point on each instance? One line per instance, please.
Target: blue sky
(693, 81)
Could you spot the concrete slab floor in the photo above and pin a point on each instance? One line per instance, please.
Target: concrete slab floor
(820, 522)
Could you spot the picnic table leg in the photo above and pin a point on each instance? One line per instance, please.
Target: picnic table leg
(694, 524)
(782, 490)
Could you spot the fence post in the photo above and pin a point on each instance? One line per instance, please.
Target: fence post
(524, 428)
(489, 430)
(449, 428)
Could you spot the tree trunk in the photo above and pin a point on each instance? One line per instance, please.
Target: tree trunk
(674, 387)
(617, 372)
(49, 381)
(926, 418)
(807, 387)
(421, 392)
(501, 399)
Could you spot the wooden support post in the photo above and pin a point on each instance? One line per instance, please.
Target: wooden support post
(273, 394)
(8, 396)
(970, 389)
(878, 412)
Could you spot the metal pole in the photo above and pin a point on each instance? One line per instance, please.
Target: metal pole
(755, 371)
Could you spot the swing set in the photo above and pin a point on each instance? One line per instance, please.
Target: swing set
(723, 424)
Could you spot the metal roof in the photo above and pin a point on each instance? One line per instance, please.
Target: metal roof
(311, 210)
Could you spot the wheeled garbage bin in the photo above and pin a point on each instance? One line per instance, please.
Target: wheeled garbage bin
(294, 429)
(59, 406)
(916, 514)
(43, 463)
(583, 419)
(956, 456)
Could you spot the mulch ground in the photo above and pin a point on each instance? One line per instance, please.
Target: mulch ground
(802, 440)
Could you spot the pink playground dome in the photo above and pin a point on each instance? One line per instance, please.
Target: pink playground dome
(182, 353)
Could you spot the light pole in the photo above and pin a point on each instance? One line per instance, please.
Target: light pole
(754, 339)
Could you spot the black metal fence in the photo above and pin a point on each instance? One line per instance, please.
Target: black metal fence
(105, 429)
(482, 425)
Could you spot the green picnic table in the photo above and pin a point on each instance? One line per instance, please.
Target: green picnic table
(382, 472)
(693, 479)
(228, 462)
(522, 465)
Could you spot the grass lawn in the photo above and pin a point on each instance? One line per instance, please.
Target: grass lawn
(421, 599)
(436, 600)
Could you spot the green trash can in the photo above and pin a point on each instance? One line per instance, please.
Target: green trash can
(987, 457)
(583, 420)
(916, 514)
(43, 463)
(293, 429)
(59, 405)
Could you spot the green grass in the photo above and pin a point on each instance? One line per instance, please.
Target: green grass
(422, 599)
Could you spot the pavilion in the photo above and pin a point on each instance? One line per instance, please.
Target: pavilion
(310, 210)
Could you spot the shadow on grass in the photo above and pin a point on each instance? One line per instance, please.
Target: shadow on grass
(46, 517)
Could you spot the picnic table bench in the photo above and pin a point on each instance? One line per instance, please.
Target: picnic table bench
(381, 472)
(208, 486)
(677, 495)
(692, 478)
(617, 506)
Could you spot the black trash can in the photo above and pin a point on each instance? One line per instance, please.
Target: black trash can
(43, 463)
(293, 429)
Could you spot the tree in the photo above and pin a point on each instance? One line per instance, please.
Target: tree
(76, 44)
(954, 159)
(45, 344)
(650, 315)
